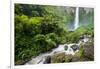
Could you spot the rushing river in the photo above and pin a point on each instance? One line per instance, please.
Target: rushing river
(66, 48)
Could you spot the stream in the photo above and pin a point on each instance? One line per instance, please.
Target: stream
(66, 48)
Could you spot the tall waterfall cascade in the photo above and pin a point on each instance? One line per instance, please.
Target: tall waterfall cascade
(76, 25)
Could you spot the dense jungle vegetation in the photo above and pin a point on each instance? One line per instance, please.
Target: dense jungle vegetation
(39, 29)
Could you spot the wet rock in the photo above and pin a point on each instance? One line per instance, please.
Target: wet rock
(47, 60)
(81, 37)
(75, 47)
(65, 47)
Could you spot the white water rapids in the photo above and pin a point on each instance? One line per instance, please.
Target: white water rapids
(61, 48)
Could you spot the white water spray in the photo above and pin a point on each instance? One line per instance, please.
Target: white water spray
(76, 25)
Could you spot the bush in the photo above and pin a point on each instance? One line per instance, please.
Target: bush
(74, 37)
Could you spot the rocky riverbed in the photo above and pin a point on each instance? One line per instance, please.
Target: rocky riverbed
(81, 51)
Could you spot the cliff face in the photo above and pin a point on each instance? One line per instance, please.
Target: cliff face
(88, 10)
(86, 16)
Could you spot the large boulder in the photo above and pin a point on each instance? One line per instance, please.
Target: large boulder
(86, 52)
(68, 58)
(66, 47)
(58, 58)
(89, 51)
(47, 60)
(75, 47)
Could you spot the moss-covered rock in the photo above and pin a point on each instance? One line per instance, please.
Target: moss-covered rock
(89, 51)
(58, 58)
(68, 58)
(86, 52)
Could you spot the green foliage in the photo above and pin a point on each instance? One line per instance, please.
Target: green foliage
(29, 10)
(53, 37)
(35, 20)
(74, 37)
(34, 36)
(81, 53)
(39, 29)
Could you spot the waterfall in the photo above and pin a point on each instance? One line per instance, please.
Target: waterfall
(76, 25)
